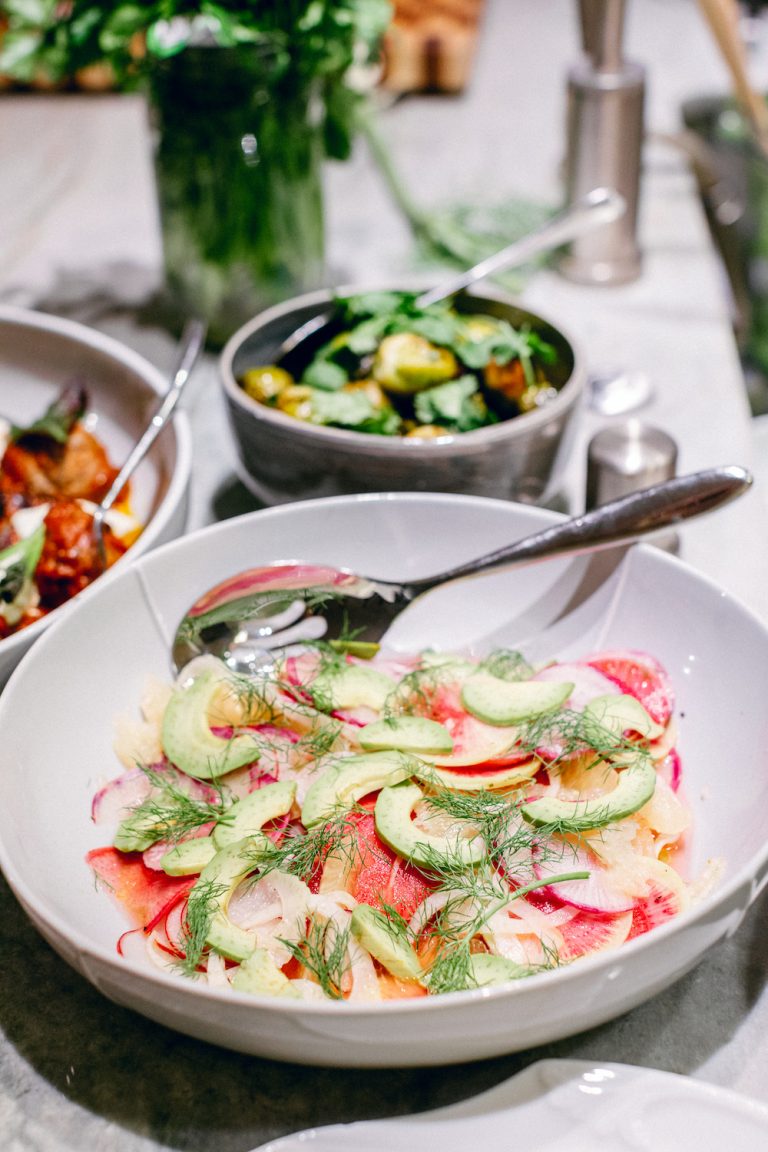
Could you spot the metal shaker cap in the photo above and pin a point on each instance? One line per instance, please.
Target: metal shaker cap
(626, 457)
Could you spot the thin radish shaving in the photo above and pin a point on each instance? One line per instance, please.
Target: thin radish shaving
(117, 799)
(587, 682)
(596, 894)
(671, 770)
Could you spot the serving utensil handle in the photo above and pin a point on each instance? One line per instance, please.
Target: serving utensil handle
(598, 207)
(191, 343)
(619, 522)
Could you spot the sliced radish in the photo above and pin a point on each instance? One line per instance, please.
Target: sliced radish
(473, 741)
(590, 932)
(599, 893)
(664, 897)
(671, 769)
(588, 682)
(641, 676)
(116, 800)
(146, 895)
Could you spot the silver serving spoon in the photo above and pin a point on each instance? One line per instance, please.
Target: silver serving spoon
(249, 618)
(600, 206)
(190, 346)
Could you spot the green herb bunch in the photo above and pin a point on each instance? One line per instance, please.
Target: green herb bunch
(319, 41)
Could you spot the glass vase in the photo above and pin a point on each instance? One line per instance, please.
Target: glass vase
(238, 159)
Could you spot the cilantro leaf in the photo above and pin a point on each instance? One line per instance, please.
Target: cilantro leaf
(456, 404)
(353, 410)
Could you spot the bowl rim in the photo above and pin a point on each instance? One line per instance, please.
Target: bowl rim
(115, 350)
(367, 443)
(747, 879)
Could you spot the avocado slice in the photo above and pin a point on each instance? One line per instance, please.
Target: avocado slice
(487, 969)
(481, 781)
(249, 814)
(215, 886)
(635, 788)
(621, 714)
(186, 736)
(414, 734)
(260, 976)
(375, 934)
(189, 856)
(345, 781)
(395, 826)
(351, 686)
(504, 702)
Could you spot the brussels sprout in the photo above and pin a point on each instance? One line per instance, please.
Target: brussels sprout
(373, 391)
(427, 432)
(296, 400)
(406, 363)
(265, 384)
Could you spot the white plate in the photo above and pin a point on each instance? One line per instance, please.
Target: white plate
(58, 710)
(38, 355)
(563, 1106)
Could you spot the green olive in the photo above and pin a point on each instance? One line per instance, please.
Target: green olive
(265, 384)
(405, 362)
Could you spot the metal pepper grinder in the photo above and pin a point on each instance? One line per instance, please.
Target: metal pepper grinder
(605, 134)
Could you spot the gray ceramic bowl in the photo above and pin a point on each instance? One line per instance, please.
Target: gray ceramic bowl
(281, 458)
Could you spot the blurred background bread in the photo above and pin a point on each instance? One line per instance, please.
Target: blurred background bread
(430, 45)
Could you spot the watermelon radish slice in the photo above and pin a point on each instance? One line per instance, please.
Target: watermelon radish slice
(671, 769)
(664, 898)
(589, 932)
(143, 892)
(599, 893)
(588, 683)
(640, 675)
(473, 741)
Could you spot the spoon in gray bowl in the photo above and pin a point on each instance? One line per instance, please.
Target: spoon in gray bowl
(190, 346)
(252, 617)
(598, 207)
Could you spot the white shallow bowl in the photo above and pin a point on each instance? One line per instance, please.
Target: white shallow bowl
(38, 354)
(563, 1106)
(57, 736)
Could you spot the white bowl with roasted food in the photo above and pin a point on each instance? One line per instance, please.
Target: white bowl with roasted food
(40, 356)
(118, 640)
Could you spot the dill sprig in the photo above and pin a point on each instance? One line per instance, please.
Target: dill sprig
(301, 851)
(202, 904)
(415, 692)
(169, 813)
(451, 969)
(475, 894)
(576, 733)
(322, 949)
(506, 664)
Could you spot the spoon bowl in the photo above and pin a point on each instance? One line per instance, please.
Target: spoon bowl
(254, 617)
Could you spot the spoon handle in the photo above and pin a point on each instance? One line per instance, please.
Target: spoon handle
(189, 349)
(600, 206)
(620, 521)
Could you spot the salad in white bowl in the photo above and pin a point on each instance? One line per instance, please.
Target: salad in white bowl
(705, 855)
(375, 829)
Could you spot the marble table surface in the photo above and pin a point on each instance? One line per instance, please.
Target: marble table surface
(77, 1072)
